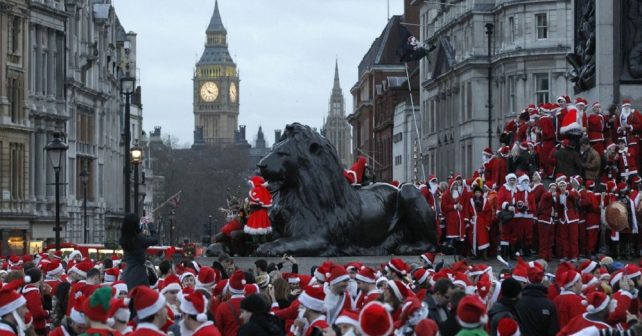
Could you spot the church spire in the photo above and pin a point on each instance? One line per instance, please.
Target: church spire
(216, 24)
(337, 85)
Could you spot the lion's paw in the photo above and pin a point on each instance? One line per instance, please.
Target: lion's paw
(271, 249)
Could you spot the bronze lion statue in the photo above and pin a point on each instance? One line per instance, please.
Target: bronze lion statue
(315, 212)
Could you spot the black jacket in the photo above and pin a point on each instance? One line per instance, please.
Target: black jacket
(136, 271)
(536, 313)
(262, 324)
(500, 309)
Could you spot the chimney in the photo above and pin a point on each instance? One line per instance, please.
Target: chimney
(411, 15)
(242, 131)
(277, 135)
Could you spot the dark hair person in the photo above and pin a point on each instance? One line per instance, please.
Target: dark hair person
(134, 242)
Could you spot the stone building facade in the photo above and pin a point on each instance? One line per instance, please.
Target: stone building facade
(529, 43)
(335, 126)
(63, 63)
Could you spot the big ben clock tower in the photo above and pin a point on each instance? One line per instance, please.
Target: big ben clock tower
(216, 88)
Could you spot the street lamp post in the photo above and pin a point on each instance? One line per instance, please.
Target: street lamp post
(56, 151)
(127, 84)
(137, 159)
(489, 33)
(84, 178)
(172, 225)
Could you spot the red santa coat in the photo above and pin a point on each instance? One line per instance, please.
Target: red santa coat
(345, 303)
(320, 323)
(590, 204)
(548, 137)
(258, 222)
(537, 190)
(453, 211)
(227, 314)
(5, 330)
(34, 304)
(207, 329)
(499, 170)
(363, 300)
(627, 163)
(622, 301)
(595, 128)
(629, 126)
(546, 208)
(560, 115)
(428, 196)
(147, 329)
(288, 314)
(578, 323)
(567, 212)
(102, 332)
(231, 226)
(53, 283)
(480, 220)
(506, 197)
(568, 306)
(522, 133)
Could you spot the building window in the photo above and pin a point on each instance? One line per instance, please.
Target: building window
(469, 101)
(512, 29)
(511, 94)
(16, 164)
(397, 160)
(541, 87)
(541, 26)
(14, 99)
(81, 164)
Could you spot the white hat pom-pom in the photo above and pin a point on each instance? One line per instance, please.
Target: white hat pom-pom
(27, 279)
(201, 317)
(111, 321)
(126, 301)
(584, 303)
(243, 282)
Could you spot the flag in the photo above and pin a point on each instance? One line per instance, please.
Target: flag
(409, 49)
(175, 200)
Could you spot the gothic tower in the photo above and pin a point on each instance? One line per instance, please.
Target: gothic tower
(216, 88)
(336, 127)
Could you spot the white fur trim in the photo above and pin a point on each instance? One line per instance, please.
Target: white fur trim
(252, 231)
(77, 317)
(571, 127)
(11, 306)
(153, 309)
(468, 325)
(395, 290)
(342, 319)
(423, 278)
(633, 275)
(577, 278)
(56, 271)
(520, 278)
(171, 286)
(76, 270)
(339, 279)
(364, 279)
(312, 303)
(591, 309)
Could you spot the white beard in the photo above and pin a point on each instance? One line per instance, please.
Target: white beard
(331, 301)
(433, 187)
(455, 194)
(22, 327)
(626, 111)
(353, 288)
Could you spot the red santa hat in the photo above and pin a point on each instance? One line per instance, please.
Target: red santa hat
(257, 181)
(119, 312)
(237, 282)
(220, 287)
(171, 283)
(10, 299)
(520, 272)
(596, 104)
(119, 286)
(194, 304)
(206, 279)
(471, 312)
(611, 187)
(111, 275)
(487, 151)
(57, 255)
(291, 278)
(636, 179)
(398, 266)
(569, 278)
(81, 268)
(596, 302)
(561, 178)
(507, 327)
(412, 311)
(483, 286)
(432, 178)
(353, 266)
(581, 101)
(76, 314)
(375, 320)
(504, 151)
(428, 257)
(565, 99)
(187, 272)
(336, 275)
(367, 275)
(626, 102)
(535, 272)
(53, 268)
(96, 307)
(523, 145)
(460, 279)
(622, 187)
(349, 317)
(251, 289)
(510, 176)
(313, 298)
(420, 275)
(616, 277)
(588, 279)
(147, 301)
(320, 271)
(399, 290)
(590, 184)
(426, 327)
(604, 274)
(587, 266)
(479, 269)
(631, 271)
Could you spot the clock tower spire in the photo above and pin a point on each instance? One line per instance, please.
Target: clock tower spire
(216, 88)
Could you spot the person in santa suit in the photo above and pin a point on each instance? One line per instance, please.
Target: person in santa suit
(226, 313)
(421, 277)
(524, 214)
(432, 194)
(560, 113)
(486, 169)
(354, 175)
(636, 198)
(119, 317)
(568, 233)
(610, 170)
(337, 297)
(572, 125)
(596, 313)
(590, 206)
(394, 294)
(629, 125)
(547, 136)
(52, 272)
(478, 215)
(508, 135)
(97, 308)
(569, 303)
(452, 207)
(195, 323)
(74, 324)
(499, 166)
(626, 236)
(375, 319)
(507, 202)
(595, 128)
(13, 308)
(368, 291)
(546, 220)
(258, 222)
(627, 162)
(522, 128)
(33, 295)
(151, 310)
(537, 189)
(311, 320)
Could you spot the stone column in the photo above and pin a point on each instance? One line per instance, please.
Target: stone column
(607, 83)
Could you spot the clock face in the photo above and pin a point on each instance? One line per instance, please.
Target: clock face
(233, 92)
(209, 91)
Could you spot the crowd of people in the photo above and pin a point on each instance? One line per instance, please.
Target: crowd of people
(563, 183)
(52, 294)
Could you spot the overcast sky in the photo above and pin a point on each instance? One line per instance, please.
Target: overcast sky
(284, 49)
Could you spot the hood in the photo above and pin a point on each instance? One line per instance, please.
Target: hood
(535, 290)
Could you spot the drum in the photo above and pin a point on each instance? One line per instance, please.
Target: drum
(617, 216)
